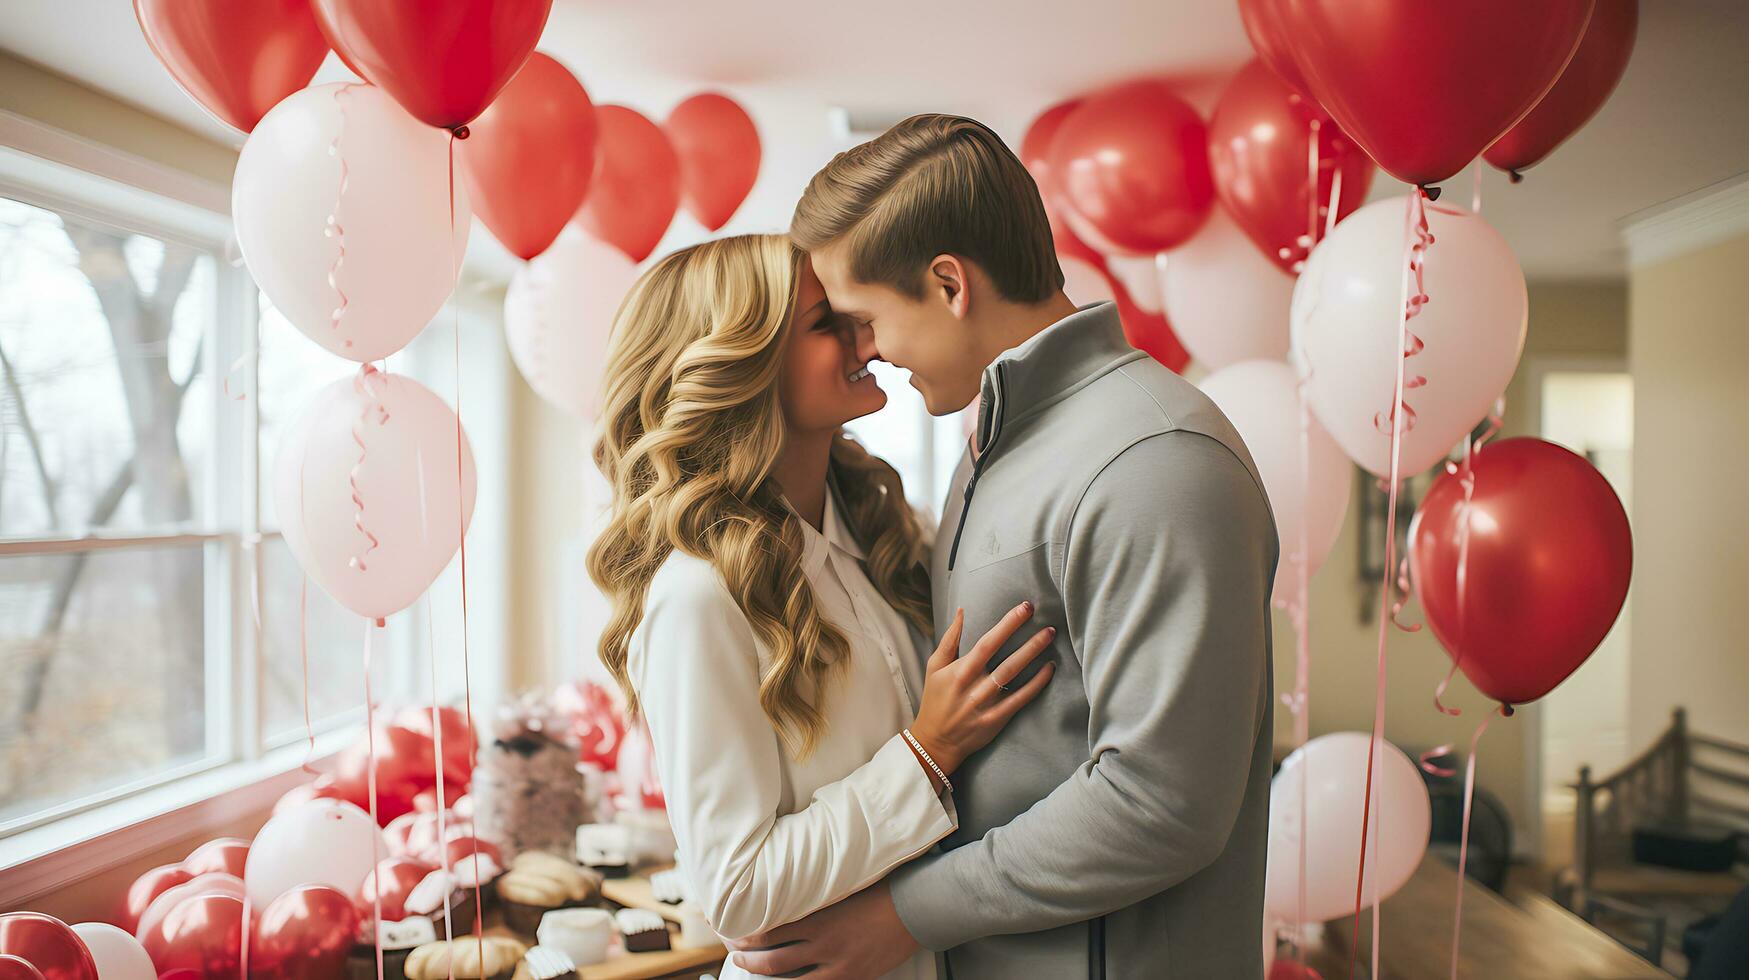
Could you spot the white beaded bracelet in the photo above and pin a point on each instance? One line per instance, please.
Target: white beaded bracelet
(924, 754)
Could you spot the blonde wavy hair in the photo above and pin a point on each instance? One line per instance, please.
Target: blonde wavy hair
(690, 428)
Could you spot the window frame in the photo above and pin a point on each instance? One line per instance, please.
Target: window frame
(242, 769)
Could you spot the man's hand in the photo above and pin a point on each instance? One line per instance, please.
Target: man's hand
(860, 938)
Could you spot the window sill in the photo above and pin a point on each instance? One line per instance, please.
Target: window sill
(53, 856)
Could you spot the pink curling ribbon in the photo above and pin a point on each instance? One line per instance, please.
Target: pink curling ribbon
(462, 529)
(334, 229)
(442, 798)
(1425, 761)
(1464, 470)
(370, 735)
(1416, 240)
(241, 362)
(362, 384)
(1457, 919)
(1403, 593)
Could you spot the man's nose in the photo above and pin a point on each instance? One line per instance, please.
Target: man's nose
(864, 339)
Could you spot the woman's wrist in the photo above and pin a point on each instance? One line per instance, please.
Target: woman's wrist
(931, 748)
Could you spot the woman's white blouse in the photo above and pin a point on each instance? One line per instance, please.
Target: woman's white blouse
(766, 838)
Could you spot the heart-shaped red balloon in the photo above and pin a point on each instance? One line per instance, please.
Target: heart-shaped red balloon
(226, 854)
(48, 945)
(236, 59)
(1425, 94)
(211, 883)
(1548, 563)
(1582, 89)
(718, 148)
(1258, 142)
(444, 62)
(146, 889)
(304, 934)
(202, 933)
(542, 123)
(637, 185)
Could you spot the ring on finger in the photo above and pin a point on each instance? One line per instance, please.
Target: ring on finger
(1004, 688)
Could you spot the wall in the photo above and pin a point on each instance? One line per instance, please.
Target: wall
(1566, 318)
(1690, 362)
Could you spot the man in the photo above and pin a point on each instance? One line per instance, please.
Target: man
(1117, 827)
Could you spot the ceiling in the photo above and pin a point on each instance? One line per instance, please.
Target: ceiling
(1678, 123)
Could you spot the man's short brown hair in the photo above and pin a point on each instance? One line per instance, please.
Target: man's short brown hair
(933, 184)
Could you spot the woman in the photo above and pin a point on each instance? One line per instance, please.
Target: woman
(770, 601)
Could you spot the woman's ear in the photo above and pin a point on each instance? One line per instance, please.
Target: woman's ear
(949, 281)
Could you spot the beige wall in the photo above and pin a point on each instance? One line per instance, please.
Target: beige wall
(1566, 319)
(38, 94)
(1690, 360)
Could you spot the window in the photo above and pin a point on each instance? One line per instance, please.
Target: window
(153, 624)
(923, 448)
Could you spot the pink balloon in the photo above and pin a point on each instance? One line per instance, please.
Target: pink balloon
(1345, 310)
(1084, 282)
(407, 481)
(326, 842)
(396, 256)
(558, 313)
(1335, 767)
(227, 854)
(119, 956)
(1227, 302)
(1261, 399)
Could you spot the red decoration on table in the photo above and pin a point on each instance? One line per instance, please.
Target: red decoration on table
(203, 933)
(47, 944)
(304, 934)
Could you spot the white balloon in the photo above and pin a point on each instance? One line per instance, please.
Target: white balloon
(1083, 282)
(396, 256)
(1140, 276)
(119, 955)
(1226, 302)
(1261, 399)
(1345, 312)
(1335, 766)
(408, 483)
(558, 315)
(322, 842)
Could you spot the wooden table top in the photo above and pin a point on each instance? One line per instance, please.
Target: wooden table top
(1500, 940)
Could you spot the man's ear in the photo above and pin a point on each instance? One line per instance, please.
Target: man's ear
(948, 279)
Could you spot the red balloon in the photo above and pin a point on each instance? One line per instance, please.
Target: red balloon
(718, 148)
(211, 883)
(202, 933)
(458, 742)
(542, 123)
(1035, 154)
(444, 62)
(17, 968)
(394, 880)
(1550, 555)
(1149, 332)
(405, 761)
(304, 934)
(1258, 141)
(146, 888)
(637, 184)
(48, 945)
(1582, 89)
(237, 60)
(1425, 98)
(1131, 165)
(1289, 970)
(1263, 27)
(226, 854)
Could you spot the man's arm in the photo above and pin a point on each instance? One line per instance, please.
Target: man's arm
(1166, 574)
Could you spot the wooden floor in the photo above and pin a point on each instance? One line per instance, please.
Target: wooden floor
(1501, 941)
